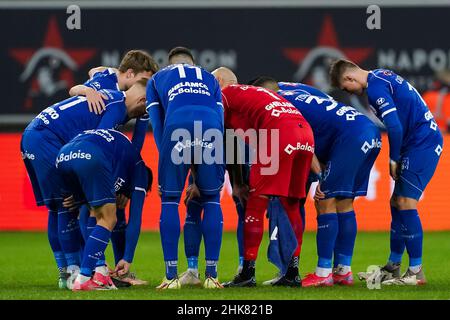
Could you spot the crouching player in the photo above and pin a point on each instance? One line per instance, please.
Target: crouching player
(184, 101)
(284, 175)
(340, 133)
(96, 166)
(415, 147)
(192, 230)
(41, 142)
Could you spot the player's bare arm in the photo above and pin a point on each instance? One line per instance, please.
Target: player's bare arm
(94, 98)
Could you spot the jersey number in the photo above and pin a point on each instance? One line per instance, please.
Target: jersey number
(411, 88)
(268, 92)
(182, 72)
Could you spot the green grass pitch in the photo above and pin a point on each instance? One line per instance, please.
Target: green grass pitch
(28, 271)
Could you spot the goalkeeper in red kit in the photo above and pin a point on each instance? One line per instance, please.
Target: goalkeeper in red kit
(285, 147)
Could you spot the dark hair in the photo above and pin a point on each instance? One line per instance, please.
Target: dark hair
(261, 80)
(337, 69)
(180, 51)
(138, 61)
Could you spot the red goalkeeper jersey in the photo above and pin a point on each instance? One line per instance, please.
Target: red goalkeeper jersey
(257, 108)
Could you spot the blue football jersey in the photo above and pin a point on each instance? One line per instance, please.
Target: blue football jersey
(120, 151)
(180, 85)
(70, 117)
(301, 87)
(329, 119)
(401, 108)
(106, 79)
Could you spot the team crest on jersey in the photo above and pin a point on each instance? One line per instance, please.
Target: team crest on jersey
(387, 73)
(380, 101)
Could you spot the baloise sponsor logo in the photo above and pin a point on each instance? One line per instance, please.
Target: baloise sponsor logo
(374, 144)
(73, 155)
(290, 148)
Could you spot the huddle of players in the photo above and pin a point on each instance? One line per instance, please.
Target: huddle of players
(314, 132)
(74, 155)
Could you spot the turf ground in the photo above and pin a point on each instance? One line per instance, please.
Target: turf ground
(28, 271)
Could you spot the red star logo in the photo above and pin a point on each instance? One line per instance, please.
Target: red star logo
(52, 40)
(328, 38)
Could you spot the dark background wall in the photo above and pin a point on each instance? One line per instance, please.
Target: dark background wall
(40, 58)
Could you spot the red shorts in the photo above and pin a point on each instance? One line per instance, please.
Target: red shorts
(295, 152)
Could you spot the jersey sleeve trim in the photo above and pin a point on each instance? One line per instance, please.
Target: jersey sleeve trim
(153, 104)
(388, 111)
(140, 189)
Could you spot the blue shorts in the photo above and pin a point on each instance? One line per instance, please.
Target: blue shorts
(87, 173)
(39, 149)
(348, 167)
(417, 168)
(175, 160)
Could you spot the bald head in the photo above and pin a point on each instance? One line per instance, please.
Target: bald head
(225, 77)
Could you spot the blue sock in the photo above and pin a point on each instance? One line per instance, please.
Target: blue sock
(212, 227)
(101, 261)
(345, 241)
(413, 235)
(169, 226)
(83, 220)
(118, 236)
(211, 268)
(69, 236)
(397, 239)
(303, 215)
(53, 239)
(192, 262)
(240, 228)
(327, 231)
(95, 249)
(92, 222)
(192, 233)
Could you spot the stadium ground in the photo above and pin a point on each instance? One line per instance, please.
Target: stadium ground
(28, 271)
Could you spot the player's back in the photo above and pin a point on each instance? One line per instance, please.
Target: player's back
(70, 117)
(329, 119)
(257, 108)
(117, 148)
(301, 87)
(388, 92)
(181, 85)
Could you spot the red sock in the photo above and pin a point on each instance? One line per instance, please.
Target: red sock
(254, 225)
(292, 208)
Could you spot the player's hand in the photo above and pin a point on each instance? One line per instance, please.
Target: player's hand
(121, 201)
(95, 100)
(191, 192)
(394, 169)
(241, 192)
(69, 203)
(122, 267)
(319, 195)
